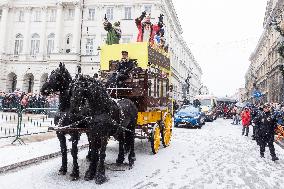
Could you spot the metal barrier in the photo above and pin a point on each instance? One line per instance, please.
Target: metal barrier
(34, 122)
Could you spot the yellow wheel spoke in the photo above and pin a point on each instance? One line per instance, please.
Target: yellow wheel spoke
(167, 131)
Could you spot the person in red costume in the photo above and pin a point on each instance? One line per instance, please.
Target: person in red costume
(147, 30)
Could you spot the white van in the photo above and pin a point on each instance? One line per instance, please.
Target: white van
(208, 105)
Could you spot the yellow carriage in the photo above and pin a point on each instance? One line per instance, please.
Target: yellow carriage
(149, 87)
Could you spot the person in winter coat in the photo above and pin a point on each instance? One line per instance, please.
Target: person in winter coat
(245, 115)
(254, 112)
(266, 123)
(113, 32)
(122, 73)
(147, 30)
(234, 113)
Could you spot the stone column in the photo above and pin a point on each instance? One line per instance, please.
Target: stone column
(27, 34)
(3, 29)
(42, 50)
(59, 19)
(77, 29)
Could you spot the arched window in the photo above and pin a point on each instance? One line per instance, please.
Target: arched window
(50, 43)
(68, 43)
(35, 42)
(19, 44)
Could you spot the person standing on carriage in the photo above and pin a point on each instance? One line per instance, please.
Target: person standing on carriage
(147, 30)
(266, 124)
(113, 32)
(122, 72)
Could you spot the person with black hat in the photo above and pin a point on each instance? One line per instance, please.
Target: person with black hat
(122, 71)
(266, 124)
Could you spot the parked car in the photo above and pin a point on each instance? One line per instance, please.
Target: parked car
(189, 116)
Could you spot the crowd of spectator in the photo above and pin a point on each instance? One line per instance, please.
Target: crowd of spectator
(18, 99)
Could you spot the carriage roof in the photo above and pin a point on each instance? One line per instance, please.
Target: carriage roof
(142, 52)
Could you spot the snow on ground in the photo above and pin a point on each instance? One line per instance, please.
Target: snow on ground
(17, 153)
(217, 156)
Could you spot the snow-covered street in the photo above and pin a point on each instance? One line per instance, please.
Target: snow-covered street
(216, 156)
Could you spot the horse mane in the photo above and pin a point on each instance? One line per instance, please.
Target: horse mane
(97, 95)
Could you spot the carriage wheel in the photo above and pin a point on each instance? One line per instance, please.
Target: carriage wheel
(167, 129)
(155, 138)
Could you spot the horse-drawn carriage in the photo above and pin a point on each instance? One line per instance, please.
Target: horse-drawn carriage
(148, 87)
(143, 107)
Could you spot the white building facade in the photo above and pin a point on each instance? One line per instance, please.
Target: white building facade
(36, 35)
(263, 73)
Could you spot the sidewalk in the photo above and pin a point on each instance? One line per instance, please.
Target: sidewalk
(11, 154)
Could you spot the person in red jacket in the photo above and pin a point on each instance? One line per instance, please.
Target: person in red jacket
(147, 30)
(246, 118)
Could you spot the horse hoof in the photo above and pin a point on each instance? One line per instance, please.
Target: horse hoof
(88, 176)
(74, 176)
(100, 179)
(62, 171)
(119, 162)
(88, 157)
(131, 164)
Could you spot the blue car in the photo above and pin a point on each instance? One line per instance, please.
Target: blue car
(189, 116)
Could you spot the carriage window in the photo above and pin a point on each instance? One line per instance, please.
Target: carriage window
(167, 88)
(158, 88)
(155, 87)
(149, 87)
(161, 88)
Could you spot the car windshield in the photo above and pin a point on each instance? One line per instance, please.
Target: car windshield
(189, 109)
(205, 102)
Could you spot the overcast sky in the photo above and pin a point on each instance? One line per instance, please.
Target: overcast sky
(222, 34)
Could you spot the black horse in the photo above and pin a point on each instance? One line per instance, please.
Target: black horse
(105, 118)
(60, 81)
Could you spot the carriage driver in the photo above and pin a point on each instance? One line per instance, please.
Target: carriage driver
(122, 71)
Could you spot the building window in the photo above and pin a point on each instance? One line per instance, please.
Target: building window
(90, 46)
(127, 13)
(21, 16)
(52, 15)
(92, 14)
(37, 15)
(35, 44)
(50, 43)
(18, 44)
(148, 8)
(70, 14)
(109, 13)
